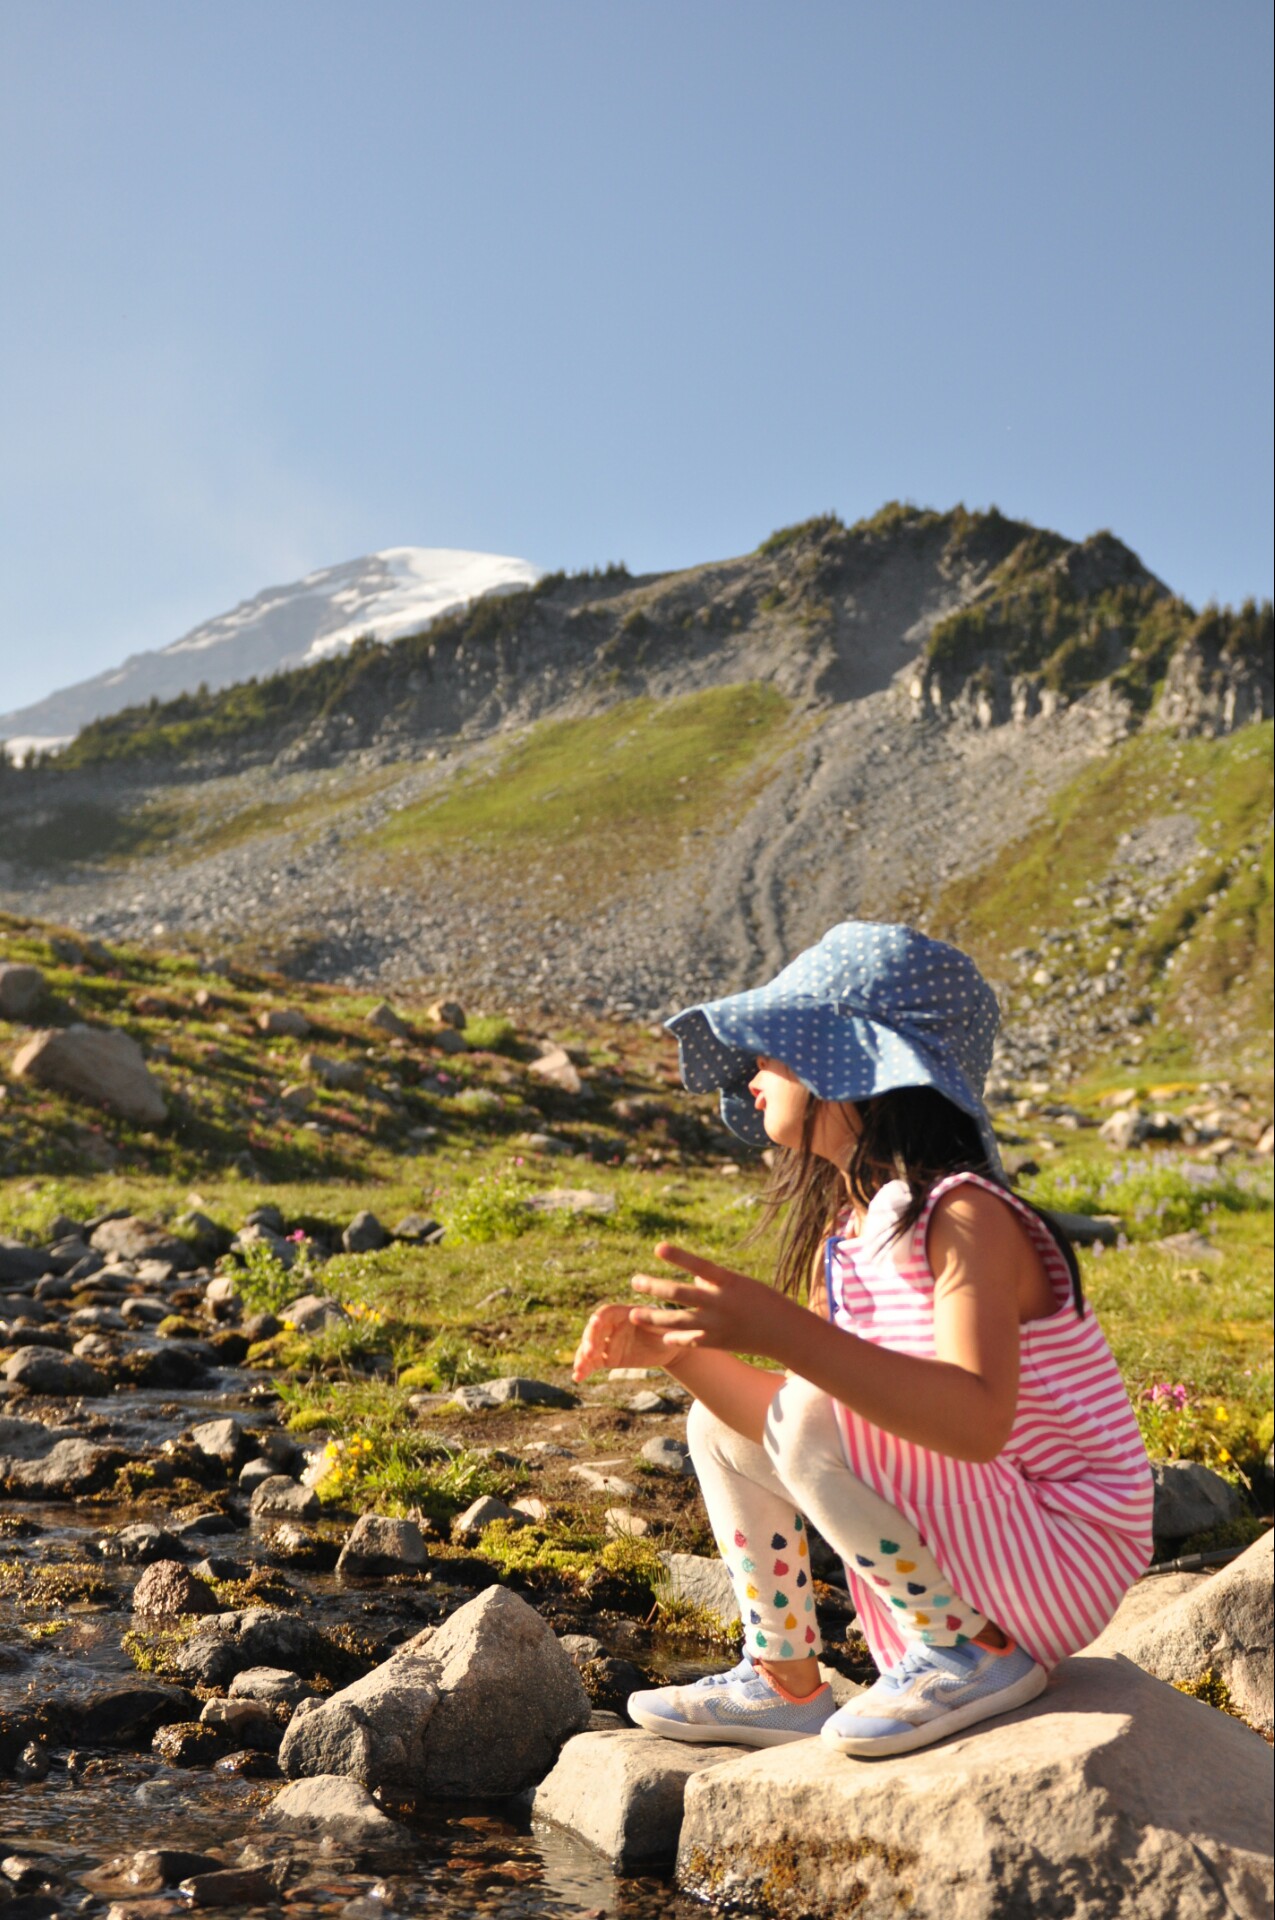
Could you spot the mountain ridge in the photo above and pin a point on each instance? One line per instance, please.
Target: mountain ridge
(626, 793)
(828, 613)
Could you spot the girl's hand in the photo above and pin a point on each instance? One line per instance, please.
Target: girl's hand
(717, 1309)
(611, 1338)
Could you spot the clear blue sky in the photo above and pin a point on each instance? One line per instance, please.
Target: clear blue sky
(577, 281)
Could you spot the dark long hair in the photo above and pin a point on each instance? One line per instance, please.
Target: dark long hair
(915, 1134)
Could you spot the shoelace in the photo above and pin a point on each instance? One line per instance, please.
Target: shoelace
(744, 1671)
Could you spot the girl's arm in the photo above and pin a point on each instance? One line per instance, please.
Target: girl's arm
(960, 1403)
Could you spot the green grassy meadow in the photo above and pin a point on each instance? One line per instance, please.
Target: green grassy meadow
(451, 1135)
(611, 794)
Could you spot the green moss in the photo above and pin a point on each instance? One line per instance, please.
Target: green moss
(153, 1650)
(684, 1620)
(630, 1570)
(1212, 1689)
(54, 1586)
(492, 1033)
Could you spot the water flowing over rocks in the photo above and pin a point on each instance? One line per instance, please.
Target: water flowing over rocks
(622, 1792)
(329, 1804)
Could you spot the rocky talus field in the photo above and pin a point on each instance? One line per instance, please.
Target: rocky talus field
(333, 1096)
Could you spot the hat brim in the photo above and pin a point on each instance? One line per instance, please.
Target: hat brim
(720, 1043)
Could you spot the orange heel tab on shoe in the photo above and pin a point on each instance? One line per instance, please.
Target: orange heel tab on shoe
(794, 1699)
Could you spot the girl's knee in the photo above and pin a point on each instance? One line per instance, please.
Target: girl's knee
(802, 1431)
(708, 1437)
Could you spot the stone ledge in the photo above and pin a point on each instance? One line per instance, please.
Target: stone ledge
(622, 1791)
(1112, 1797)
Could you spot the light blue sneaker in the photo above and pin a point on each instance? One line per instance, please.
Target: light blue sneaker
(932, 1692)
(738, 1709)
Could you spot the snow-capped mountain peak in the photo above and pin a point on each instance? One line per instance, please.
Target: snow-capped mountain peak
(384, 596)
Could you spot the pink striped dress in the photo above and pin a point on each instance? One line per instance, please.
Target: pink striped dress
(1046, 1538)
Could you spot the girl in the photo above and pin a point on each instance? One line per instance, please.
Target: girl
(949, 1415)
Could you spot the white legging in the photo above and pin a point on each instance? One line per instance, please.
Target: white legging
(756, 1497)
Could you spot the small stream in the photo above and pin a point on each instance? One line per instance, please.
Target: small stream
(94, 1803)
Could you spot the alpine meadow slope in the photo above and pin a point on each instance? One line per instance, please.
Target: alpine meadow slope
(613, 794)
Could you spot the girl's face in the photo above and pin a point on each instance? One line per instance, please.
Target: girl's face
(781, 1100)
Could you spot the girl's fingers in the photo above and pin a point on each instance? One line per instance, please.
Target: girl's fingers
(662, 1321)
(696, 1264)
(672, 1290)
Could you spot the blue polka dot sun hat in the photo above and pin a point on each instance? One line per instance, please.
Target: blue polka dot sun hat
(869, 1008)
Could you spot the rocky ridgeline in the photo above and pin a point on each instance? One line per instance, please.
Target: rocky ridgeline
(901, 724)
(383, 1673)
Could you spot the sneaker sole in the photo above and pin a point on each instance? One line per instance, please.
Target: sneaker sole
(885, 1744)
(705, 1736)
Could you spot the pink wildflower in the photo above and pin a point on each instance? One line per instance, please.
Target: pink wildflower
(1167, 1393)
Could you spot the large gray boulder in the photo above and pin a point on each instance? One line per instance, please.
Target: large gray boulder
(476, 1708)
(622, 1792)
(1221, 1624)
(1111, 1797)
(132, 1238)
(97, 1064)
(379, 1544)
(20, 1263)
(278, 1497)
(47, 1370)
(365, 1234)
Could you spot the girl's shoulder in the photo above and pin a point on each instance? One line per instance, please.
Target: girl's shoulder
(981, 1207)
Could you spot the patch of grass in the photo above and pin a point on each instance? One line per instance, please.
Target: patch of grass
(492, 1208)
(686, 1620)
(610, 794)
(1153, 1194)
(1203, 961)
(265, 1284)
(493, 1033)
(403, 1473)
(77, 833)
